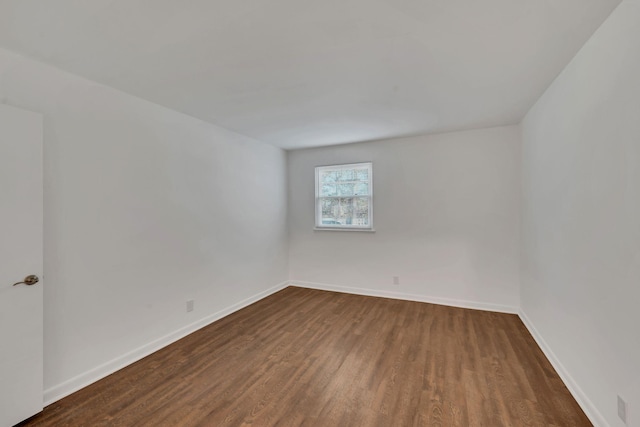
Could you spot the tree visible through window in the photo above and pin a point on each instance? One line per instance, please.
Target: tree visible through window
(344, 196)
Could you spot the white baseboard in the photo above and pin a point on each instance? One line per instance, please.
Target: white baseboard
(587, 406)
(80, 381)
(409, 297)
(74, 384)
(585, 403)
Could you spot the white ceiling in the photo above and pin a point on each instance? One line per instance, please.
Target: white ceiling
(301, 73)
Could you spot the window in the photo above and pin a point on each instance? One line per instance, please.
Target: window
(344, 196)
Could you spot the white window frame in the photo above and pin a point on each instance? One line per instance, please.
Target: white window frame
(318, 210)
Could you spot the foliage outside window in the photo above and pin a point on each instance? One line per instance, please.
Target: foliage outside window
(344, 196)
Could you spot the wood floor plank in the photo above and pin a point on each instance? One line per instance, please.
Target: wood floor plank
(305, 357)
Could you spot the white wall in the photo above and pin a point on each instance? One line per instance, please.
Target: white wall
(581, 218)
(446, 214)
(145, 208)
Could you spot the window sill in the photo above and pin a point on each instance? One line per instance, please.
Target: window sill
(362, 230)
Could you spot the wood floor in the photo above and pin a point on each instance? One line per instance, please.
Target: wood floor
(316, 358)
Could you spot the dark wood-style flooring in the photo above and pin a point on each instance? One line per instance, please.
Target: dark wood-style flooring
(317, 358)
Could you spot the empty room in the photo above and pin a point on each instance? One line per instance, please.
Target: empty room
(332, 213)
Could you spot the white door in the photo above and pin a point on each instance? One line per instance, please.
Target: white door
(21, 217)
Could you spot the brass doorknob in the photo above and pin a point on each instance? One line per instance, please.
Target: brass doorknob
(29, 280)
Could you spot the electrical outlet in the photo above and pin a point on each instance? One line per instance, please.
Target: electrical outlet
(396, 280)
(622, 409)
(189, 305)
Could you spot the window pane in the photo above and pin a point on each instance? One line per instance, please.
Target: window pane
(345, 189)
(328, 190)
(345, 211)
(361, 189)
(328, 177)
(346, 175)
(362, 174)
(361, 213)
